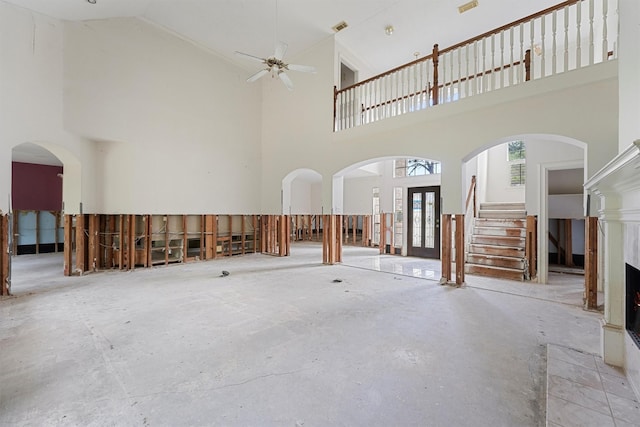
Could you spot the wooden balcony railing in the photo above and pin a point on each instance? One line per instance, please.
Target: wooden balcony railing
(568, 36)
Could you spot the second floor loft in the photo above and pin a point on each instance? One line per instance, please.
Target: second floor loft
(569, 36)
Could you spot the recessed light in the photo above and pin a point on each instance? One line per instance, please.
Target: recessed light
(388, 30)
(92, 1)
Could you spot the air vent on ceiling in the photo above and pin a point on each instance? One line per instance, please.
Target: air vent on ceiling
(468, 6)
(340, 26)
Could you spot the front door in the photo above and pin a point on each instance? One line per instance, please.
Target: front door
(424, 222)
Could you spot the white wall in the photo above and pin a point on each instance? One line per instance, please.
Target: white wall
(31, 104)
(563, 206)
(498, 188)
(451, 133)
(306, 197)
(551, 154)
(180, 128)
(358, 194)
(629, 64)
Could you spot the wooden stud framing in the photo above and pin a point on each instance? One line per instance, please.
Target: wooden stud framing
(16, 214)
(254, 220)
(131, 249)
(591, 263)
(5, 287)
(110, 234)
(147, 240)
(94, 242)
(568, 243)
(446, 248)
(459, 249)
(81, 244)
(331, 239)
(531, 245)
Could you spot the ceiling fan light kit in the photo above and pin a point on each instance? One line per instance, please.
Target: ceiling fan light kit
(275, 66)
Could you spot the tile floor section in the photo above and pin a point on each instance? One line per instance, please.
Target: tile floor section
(583, 391)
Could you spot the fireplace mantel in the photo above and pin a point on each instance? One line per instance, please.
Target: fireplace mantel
(620, 175)
(617, 185)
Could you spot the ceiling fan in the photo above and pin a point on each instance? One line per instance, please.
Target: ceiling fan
(276, 66)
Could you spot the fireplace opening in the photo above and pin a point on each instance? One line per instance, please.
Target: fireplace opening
(632, 279)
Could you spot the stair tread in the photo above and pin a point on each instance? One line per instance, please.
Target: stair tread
(490, 246)
(495, 256)
(493, 267)
(519, 238)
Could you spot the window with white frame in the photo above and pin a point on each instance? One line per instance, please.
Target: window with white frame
(376, 215)
(415, 167)
(516, 158)
(397, 217)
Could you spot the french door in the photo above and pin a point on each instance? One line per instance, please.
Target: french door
(424, 222)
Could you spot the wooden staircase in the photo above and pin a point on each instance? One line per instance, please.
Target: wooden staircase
(497, 243)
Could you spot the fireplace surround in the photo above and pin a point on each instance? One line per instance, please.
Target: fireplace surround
(616, 190)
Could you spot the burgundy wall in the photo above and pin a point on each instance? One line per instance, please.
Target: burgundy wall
(36, 187)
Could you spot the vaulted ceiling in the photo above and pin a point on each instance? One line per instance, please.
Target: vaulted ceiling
(252, 26)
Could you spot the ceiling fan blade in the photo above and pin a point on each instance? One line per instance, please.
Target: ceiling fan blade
(286, 80)
(253, 58)
(257, 75)
(281, 49)
(303, 68)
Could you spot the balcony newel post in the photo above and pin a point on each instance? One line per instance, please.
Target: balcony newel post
(434, 89)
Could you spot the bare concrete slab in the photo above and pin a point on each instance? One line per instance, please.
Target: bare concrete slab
(275, 343)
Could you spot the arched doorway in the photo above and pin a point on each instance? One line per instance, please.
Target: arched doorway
(515, 170)
(45, 184)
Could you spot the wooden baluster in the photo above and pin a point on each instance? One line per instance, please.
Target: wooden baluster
(474, 86)
(531, 45)
(492, 77)
(522, 51)
(385, 96)
(451, 75)
(436, 61)
(483, 70)
(543, 65)
(376, 99)
(511, 61)
(502, 64)
(527, 65)
(554, 44)
(578, 47)
(352, 108)
(370, 101)
(467, 82)
(591, 36)
(566, 38)
(459, 75)
(605, 41)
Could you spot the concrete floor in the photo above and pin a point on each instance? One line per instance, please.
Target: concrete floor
(279, 343)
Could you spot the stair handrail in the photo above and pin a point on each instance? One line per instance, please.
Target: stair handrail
(470, 214)
(472, 192)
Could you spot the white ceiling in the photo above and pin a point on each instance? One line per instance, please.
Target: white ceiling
(225, 26)
(253, 26)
